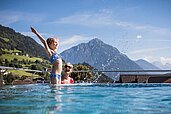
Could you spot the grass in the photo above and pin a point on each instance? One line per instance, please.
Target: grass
(5, 39)
(12, 51)
(10, 57)
(22, 73)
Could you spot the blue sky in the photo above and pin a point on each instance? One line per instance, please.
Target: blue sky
(141, 29)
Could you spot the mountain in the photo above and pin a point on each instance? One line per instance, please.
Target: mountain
(146, 65)
(99, 55)
(166, 66)
(9, 39)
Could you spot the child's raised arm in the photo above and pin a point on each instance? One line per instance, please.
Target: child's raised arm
(42, 40)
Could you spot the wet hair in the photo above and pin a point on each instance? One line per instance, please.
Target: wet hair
(69, 65)
(49, 41)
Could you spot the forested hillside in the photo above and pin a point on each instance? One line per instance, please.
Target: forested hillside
(9, 39)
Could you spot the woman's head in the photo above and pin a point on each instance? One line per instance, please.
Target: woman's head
(53, 43)
(68, 68)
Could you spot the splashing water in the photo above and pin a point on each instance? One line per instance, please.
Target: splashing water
(116, 77)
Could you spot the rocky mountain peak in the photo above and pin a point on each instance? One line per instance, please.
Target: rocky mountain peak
(99, 55)
(95, 41)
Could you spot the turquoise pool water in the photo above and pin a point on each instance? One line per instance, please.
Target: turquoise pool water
(86, 99)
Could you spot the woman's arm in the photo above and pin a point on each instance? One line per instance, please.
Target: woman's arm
(42, 40)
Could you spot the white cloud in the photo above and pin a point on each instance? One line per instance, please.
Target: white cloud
(74, 39)
(103, 18)
(147, 58)
(139, 36)
(45, 35)
(69, 41)
(8, 17)
(149, 50)
(32, 35)
(158, 40)
(106, 18)
(147, 28)
(153, 59)
(147, 55)
(165, 60)
(28, 34)
(64, 44)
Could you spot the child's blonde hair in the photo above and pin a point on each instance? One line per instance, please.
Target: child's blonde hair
(50, 40)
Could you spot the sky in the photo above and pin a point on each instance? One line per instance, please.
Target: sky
(140, 29)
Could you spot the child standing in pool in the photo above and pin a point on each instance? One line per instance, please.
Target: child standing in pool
(51, 46)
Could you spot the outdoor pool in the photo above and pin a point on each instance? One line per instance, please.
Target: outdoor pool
(86, 99)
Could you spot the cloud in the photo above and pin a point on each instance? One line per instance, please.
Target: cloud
(157, 40)
(8, 17)
(69, 41)
(45, 35)
(32, 35)
(73, 40)
(165, 60)
(101, 18)
(149, 50)
(146, 55)
(151, 59)
(28, 34)
(104, 18)
(147, 28)
(139, 36)
(64, 44)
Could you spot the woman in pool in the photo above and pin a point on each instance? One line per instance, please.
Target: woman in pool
(66, 79)
(51, 46)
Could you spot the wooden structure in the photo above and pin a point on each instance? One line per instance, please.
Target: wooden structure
(145, 78)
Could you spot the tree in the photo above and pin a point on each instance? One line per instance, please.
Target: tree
(15, 60)
(37, 61)
(9, 78)
(79, 77)
(33, 67)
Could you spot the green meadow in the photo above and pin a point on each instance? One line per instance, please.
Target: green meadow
(23, 73)
(10, 57)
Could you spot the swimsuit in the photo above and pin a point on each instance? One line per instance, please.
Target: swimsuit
(71, 81)
(54, 57)
(55, 75)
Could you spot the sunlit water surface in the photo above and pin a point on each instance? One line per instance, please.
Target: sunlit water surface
(86, 98)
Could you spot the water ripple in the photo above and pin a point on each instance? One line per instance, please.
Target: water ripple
(86, 98)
